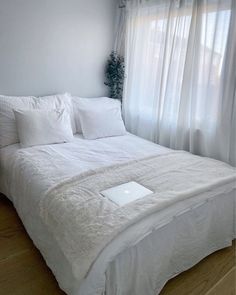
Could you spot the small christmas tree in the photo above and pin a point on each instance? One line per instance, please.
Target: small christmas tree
(115, 71)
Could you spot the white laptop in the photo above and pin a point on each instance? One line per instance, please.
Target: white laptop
(126, 193)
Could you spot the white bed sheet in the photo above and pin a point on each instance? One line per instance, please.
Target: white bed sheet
(26, 174)
(55, 162)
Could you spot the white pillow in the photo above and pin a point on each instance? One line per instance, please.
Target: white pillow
(37, 127)
(59, 101)
(8, 132)
(99, 122)
(97, 102)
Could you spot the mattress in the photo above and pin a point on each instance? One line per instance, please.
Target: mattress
(26, 174)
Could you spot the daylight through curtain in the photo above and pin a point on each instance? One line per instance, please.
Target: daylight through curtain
(180, 74)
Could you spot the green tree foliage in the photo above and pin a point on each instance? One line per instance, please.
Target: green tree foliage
(115, 71)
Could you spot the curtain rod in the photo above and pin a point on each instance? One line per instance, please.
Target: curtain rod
(123, 3)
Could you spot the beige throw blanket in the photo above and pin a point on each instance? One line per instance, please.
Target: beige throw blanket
(83, 222)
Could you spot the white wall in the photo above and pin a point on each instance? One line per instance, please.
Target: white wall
(49, 46)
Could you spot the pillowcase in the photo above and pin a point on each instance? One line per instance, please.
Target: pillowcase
(97, 103)
(59, 101)
(8, 132)
(38, 127)
(101, 122)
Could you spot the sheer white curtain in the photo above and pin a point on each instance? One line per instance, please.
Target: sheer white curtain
(181, 74)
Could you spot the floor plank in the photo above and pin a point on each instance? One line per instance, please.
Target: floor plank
(27, 273)
(24, 272)
(203, 276)
(22, 268)
(225, 286)
(13, 242)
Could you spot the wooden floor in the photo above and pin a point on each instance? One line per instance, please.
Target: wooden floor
(24, 272)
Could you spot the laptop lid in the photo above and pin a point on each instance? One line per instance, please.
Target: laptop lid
(126, 193)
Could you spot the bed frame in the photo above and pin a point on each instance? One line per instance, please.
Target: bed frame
(22, 267)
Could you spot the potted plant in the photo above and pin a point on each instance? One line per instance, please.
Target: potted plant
(114, 73)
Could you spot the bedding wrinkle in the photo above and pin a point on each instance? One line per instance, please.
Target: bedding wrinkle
(174, 177)
(29, 174)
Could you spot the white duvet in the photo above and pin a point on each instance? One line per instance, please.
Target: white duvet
(29, 173)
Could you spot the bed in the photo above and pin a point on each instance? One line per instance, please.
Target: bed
(142, 256)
